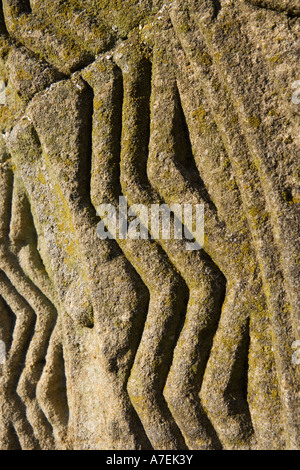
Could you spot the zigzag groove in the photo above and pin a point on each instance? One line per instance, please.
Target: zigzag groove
(46, 313)
(250, 198)
(14, 410)
(133, 170)
(139, 344)
(33, 267)
(81, 220)
(145, 391)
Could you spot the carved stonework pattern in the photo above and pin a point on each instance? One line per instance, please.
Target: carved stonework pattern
(140, 344)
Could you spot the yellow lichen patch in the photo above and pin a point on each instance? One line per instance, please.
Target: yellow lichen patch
(289, 198)
(201, 116)
(41, 178)
(275, 59)
(254, 122)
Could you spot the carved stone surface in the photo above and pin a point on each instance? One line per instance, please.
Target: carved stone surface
(140, 344)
